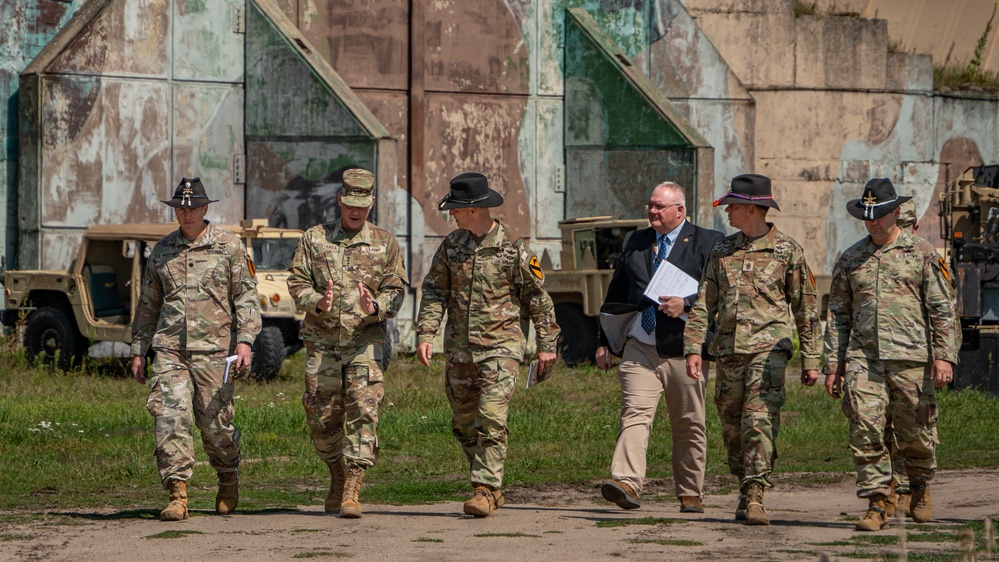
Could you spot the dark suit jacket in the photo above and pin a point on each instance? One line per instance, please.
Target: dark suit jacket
(634, 270)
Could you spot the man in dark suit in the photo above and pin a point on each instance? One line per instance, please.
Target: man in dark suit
(648, 336)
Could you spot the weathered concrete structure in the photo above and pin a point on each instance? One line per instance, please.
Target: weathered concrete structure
(571, 108)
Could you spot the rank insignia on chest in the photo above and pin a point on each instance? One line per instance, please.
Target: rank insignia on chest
(535, 267)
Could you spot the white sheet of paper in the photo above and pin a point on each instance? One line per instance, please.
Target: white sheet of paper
(670, 281)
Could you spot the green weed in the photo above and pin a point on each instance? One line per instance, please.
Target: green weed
(641, 521)
(173, 534)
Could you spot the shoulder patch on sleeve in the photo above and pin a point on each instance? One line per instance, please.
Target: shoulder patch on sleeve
(535, 266)
(943, 269)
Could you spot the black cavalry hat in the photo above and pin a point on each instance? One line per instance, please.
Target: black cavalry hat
(190, 194)
(749, 189)
(878, 200)
(470, 189)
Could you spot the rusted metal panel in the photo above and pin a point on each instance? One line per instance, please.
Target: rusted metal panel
(27, 28)
(123, 37)
(498, 62)
(298, 149)
(366, 42)
(392, 110)
(102, 139)
(475, 133)
(207, 38)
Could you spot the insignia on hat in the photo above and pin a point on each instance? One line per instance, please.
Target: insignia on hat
(870, 199)
(185, 195)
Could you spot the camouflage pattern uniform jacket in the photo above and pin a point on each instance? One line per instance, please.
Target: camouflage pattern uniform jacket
(371, 256)
(746, 288)
(197, 295)
(887, 302)
(488, 289)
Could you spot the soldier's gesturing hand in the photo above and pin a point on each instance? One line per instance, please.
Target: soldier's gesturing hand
(139, 368)
(809, 377)
(325, 303)
(367, 302)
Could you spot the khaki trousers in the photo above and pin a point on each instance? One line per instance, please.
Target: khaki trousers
(644, 376)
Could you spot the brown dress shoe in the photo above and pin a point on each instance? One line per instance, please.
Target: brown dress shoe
(620, 493)
(691, 504)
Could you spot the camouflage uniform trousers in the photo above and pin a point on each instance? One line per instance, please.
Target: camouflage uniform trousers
(749, 393)
(900, 391)
(343, 391)
(480, 394)
(187, 387)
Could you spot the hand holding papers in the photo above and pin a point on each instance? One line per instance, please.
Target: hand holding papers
(228, 367)
(536, 374)
(670, 281)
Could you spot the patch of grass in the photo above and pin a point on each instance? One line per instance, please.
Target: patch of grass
(806, 8)
(307, 530)
(831, 543)
(425, 539)
(962, 78)
(12, 537)
(858, 554)
(669, 542)
(641, 521)
(174, 534)
(82, 439)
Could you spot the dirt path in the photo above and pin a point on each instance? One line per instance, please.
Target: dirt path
(559, 524)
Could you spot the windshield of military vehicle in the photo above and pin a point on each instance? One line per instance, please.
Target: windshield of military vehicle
(273, 253)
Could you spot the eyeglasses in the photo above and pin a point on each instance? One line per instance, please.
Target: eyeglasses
(660, 208)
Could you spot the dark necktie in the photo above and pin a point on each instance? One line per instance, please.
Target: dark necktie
(649, 314)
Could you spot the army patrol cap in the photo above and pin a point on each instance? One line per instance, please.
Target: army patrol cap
(357, 187)
(749, 189)
(190, 194)
(907, 217)
(878, 200)
(470, 189)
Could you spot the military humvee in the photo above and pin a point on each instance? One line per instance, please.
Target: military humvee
(94, 300)
(590, 248)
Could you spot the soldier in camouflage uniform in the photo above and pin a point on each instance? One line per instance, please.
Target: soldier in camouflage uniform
(489, 284)
(889, 340)
(757, 288)
(198, 306)
(348, 277)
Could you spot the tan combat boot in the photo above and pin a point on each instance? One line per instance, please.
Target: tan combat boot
(176, 510)
(902, 504)
(755, 512)
(876, 517)
(891, 502)
(920, 505)
(483, 502)
(740, 510)
(498, 498)
(338, 476)
(350, 507)
(228, 495)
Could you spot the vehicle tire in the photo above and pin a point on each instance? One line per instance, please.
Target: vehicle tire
(578, 341)
(51, 336)
(268, 353)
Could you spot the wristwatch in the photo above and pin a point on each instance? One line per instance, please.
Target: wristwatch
(375, 303)
(686, 305)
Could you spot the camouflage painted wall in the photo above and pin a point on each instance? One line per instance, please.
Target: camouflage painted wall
(27, 28)
(131, 97)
